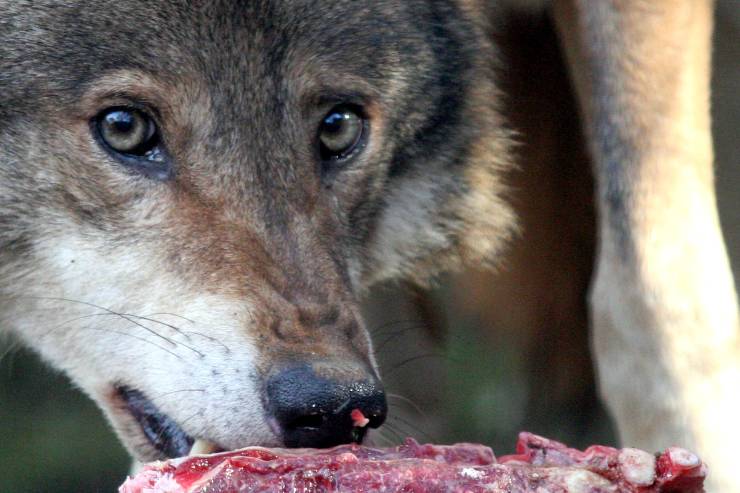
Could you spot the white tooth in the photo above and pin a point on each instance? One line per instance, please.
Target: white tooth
(202, 447)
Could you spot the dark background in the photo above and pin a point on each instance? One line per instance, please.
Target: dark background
(473, 383)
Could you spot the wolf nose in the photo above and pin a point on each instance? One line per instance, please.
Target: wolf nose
(318, 412)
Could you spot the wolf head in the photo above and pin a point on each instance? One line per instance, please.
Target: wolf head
(194, 194)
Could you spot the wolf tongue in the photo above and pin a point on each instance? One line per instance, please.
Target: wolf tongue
(203, 447)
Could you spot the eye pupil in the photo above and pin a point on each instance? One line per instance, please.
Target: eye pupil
(333, 122)
(120, 121)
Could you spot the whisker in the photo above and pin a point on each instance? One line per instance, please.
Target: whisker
(413, 428)
(160, 396)
(12, 346)
(184, 422)
(172, 315)
(416, 407)
(82, 317)
(212, 339)
(135, 337)
(380, 436)
(379, 330)
(394, 431)
(399, 366)
(397, 334)
(130, 318)
(109, 314)
(148, 319)
(125, 317)
(176, 329)
(9, 356)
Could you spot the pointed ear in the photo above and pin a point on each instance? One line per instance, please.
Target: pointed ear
(447, 208)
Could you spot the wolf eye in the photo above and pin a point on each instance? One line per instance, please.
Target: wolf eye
(132, 137)
(127, 131)
(341, 133)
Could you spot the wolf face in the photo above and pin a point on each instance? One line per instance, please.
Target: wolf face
(194, 194)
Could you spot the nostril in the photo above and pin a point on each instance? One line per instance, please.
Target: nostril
(306, 422)
(376, 420)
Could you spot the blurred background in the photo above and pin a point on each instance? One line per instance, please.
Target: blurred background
(457, 364)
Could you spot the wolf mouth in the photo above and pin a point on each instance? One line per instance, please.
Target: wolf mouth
(163, 433)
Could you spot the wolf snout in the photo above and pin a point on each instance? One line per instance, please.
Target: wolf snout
(311, 410)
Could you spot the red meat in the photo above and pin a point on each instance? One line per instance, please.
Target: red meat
(540, 466)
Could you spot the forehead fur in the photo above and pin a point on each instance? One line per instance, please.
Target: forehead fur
(257, 68)
(368, 40)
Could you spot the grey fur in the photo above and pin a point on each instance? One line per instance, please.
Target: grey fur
(258, 250)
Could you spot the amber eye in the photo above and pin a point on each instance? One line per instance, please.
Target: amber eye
(341, 133)
(131, 136)
(127, 131)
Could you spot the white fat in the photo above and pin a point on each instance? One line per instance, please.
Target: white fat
(637, 466)
(582, 481)
(151, 481)
(203, 447)
(470, 473)
(683, 457)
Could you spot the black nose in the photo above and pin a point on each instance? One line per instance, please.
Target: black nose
(318, 412)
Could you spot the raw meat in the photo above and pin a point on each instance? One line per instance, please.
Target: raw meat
(539, 466)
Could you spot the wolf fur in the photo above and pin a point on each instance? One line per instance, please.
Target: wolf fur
(250, 255)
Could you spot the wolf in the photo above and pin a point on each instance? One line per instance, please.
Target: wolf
(194, 196)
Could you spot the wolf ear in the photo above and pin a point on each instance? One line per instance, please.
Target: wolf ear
(448, 211)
